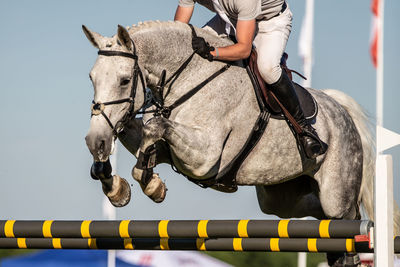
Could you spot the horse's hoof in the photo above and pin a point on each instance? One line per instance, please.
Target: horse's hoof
(120, 194)
(156, 189)
(349, 260)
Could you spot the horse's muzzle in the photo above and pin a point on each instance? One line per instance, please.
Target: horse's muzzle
(99, 146)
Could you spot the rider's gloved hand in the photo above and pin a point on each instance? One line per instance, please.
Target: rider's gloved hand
(202, 48)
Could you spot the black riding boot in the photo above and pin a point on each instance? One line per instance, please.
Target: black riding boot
(285, 92)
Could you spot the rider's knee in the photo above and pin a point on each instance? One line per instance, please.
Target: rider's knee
(270, 71)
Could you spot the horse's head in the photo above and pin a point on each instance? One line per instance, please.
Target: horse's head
(118, 90)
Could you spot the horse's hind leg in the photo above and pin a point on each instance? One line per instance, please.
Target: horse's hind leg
(295, 198)
(339, 181)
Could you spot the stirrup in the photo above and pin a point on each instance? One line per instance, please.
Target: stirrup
(309, 131)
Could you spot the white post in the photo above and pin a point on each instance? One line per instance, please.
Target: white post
(383, 194)
(302, 256)
(111, 258)
(302, 259)
(109, 210)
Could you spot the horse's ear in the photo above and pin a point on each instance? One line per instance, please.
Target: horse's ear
(124, 38)
(93, 37)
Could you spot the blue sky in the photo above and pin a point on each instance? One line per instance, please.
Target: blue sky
(46, 94)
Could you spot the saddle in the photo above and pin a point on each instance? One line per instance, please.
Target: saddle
(307, 101)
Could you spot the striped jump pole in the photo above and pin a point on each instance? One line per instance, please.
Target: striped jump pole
(202, 244)
(185, 229)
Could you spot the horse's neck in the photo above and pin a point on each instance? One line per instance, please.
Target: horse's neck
(166, 46)
(161, 46)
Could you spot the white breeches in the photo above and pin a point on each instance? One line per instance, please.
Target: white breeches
(270, 42)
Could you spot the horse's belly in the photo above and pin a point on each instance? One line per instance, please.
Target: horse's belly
(255, 174)
(274, 160)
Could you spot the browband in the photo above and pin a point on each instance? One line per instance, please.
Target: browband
(116, 53)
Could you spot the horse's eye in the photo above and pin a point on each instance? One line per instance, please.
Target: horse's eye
(125, 82)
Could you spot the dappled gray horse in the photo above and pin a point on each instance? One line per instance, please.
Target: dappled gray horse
(203, 134)
(207, 131)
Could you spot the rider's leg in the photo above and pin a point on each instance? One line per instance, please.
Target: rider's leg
(270, 44)
(310, 141)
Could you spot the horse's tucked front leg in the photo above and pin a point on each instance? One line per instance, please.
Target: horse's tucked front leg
(198, 152)
(150, 182)
(117, 189)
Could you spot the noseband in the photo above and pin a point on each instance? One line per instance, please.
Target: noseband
(98, 107)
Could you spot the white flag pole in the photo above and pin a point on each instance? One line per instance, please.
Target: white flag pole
(379, 71)
(383, 186)
(306, 42)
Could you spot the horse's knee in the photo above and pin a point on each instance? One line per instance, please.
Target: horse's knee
(351, 213)
(340, 209)
(154, 129)
(337, 201)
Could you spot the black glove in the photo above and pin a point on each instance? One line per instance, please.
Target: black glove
(202, 48)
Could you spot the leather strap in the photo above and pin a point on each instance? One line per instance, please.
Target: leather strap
(116, 53)
(296, 126)
(266, 92)
(192, 92)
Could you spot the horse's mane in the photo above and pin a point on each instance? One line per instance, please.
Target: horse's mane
(209, 35)
(154, 24)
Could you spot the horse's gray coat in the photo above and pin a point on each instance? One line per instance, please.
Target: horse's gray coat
(209, 129)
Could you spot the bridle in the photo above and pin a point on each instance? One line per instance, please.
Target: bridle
(98, 107)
